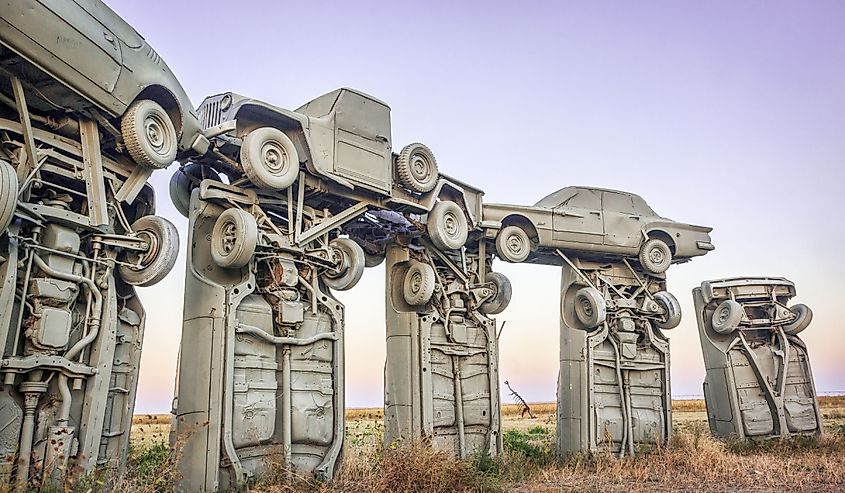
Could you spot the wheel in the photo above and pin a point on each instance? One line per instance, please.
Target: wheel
(350, 266)
(655, 256)
(418, 285)
(372, 260)
(502, 296)
(184, 181)
(671, 310)
(590, 307)
(803, 317)
(513, 244)
(727, 316)
(147, 268)
(148, 134)
(447, 225)
(234, 238)
(8, 194)
(269, 159)
(417, 168)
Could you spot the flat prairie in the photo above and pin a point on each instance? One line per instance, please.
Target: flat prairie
(692, 461)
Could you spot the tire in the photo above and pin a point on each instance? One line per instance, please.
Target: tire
(655, 256)
(184, 181)
(269, 159)
(418, 285)
(234, 238)
(502, 297)
(8, 195)
(156, 263)
(417, 168)
(803, 317)
(149, 134)
(371, 260)
(671, 308)
(447, 226)
(513, 244)
(590, 307)
(351, 268)
(726, 317)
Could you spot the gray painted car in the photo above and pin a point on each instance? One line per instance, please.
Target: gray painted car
(79, 56)
(598, 221)
(759, 383)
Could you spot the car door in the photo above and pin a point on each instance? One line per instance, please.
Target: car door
(578, 220)
(622, 223)
(69, 34)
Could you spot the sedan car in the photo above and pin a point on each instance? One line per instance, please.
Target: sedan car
(599, 222)
(81, 57)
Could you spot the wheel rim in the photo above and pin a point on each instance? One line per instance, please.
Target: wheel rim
(157, 135)
(721, 316)
(420, 167)
(274, 157)
(656, 256)
(416, 282)
(586, 308)
(515, 244)
(450, 225)
(228, 238)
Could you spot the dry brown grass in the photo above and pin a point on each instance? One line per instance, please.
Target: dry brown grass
(694, 461)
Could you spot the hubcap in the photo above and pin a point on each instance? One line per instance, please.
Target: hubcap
(586, 307)
(515, 244)
(274, 156)
(157, 137)
(722, 316)
(229, 237)
(656, 256)
(450, 223)
(420, 167)
(416, 282)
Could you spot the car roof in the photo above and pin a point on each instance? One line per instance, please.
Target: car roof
(565, 193)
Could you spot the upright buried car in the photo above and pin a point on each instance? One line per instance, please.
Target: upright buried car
(80, 57)
(597, 221)
(759, 383)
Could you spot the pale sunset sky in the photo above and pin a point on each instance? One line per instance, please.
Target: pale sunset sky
(724, 113)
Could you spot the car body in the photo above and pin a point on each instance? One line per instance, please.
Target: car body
(80, 56)
(759, 383)
(597, 221)
(763, 299)
(340, 144)
(343, 136)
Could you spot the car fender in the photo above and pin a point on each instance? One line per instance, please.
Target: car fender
(684, 237)
(446, 189)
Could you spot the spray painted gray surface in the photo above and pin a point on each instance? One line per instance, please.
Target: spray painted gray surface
(261, 366)
(759, 383)
(80, 235)
(87, 112)
(613, 386)
(441, 374)
(315, 196)
(598, 224)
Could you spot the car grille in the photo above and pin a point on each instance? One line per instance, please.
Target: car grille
(212, 115)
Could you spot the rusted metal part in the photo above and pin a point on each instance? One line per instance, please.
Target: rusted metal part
(524, 408)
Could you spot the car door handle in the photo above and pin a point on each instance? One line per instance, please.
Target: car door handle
(598, 213)
(108, 37)
(637, 218)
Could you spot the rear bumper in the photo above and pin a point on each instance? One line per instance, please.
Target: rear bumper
(705, 245)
